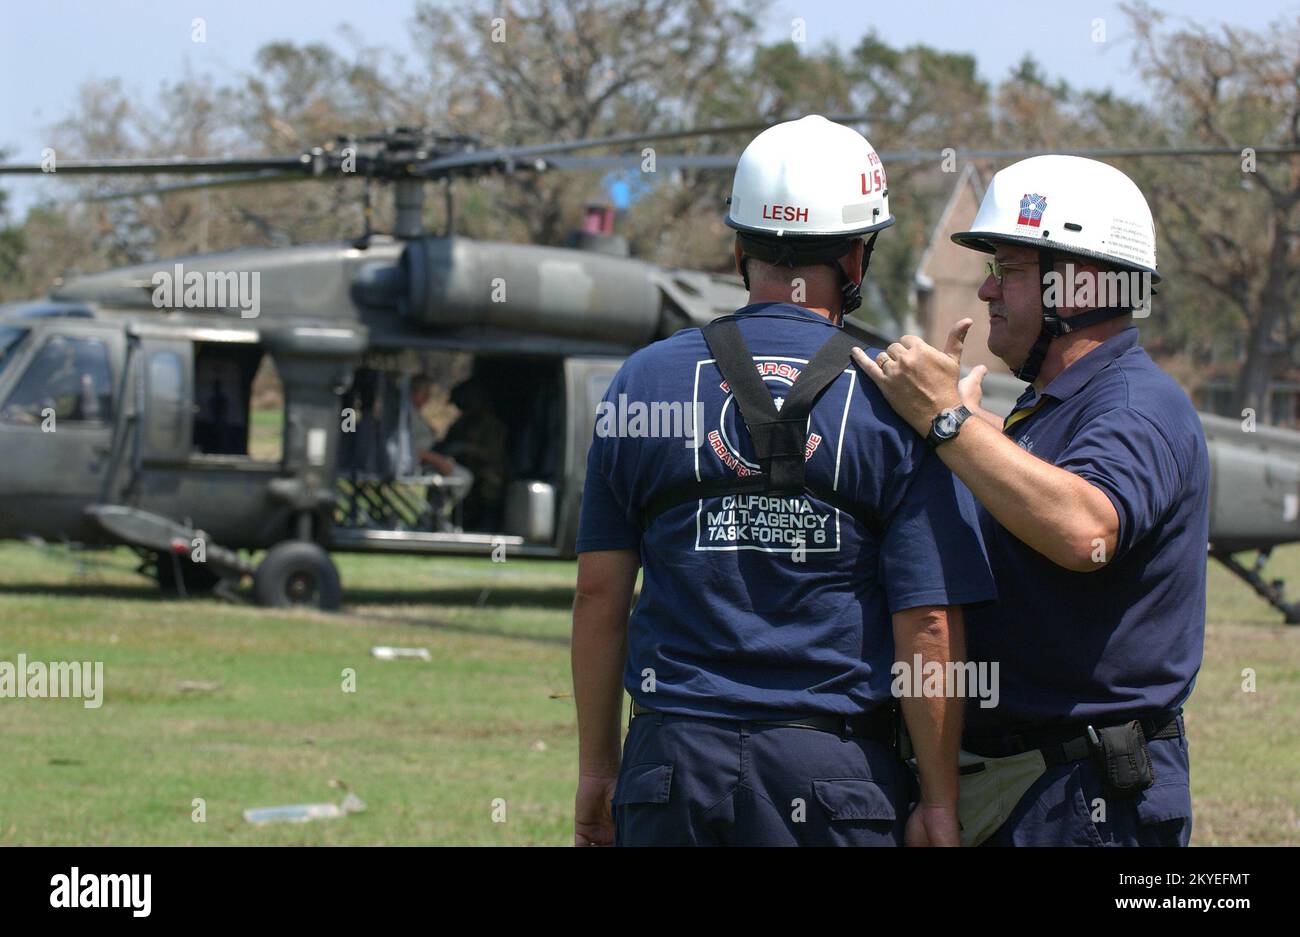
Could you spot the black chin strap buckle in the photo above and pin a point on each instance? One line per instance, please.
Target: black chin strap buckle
(850, 292)
(1055, 325)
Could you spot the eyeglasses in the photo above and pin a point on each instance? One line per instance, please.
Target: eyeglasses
(996, 268)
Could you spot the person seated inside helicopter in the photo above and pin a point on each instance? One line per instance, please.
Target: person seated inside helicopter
(450, 481)
(65, 382)
(478, 439)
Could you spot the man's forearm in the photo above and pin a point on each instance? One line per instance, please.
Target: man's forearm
(598, 655)
(938, 635)
(1055, 512)
(988, 416)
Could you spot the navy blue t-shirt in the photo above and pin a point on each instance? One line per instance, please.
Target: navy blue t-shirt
(1127, 638)
(756, 605)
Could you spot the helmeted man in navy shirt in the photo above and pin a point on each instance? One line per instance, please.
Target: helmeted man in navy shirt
(797, 539)
(1094, 504)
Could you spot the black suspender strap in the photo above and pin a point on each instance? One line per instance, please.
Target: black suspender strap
(780, 437)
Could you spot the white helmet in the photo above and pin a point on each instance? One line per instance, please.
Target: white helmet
(1068, 204)
(809, 177)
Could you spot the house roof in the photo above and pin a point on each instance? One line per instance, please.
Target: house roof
(968, 177)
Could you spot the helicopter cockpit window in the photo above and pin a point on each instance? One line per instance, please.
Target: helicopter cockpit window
(69, 379)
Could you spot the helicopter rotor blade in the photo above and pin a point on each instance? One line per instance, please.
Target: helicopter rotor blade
(528, 154)
(920, 156)
(254, 178)
(671, 161)
(399, 157)
(663, 162)
(177, 165)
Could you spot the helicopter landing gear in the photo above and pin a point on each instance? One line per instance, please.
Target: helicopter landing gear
(179, 576)
(297, 573)
(1274, 593)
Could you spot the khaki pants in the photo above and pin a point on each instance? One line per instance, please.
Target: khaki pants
(990, 790)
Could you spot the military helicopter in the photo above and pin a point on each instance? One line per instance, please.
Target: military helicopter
(126, 396)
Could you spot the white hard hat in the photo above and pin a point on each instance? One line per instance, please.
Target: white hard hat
(809, 177)
(1070, 204)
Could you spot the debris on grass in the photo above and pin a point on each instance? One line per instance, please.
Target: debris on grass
(401, 653)
(304, 813)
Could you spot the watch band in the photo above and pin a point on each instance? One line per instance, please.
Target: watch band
(959, 414)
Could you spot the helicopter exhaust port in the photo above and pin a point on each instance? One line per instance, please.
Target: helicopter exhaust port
(457, 281)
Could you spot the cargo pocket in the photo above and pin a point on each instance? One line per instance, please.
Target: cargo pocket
(644, 784)
(642, 816)
(854, 799)
(1164, 810)
(1165, 815)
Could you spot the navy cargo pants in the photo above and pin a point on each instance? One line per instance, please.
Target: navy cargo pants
(690, 781)
(1068, 806)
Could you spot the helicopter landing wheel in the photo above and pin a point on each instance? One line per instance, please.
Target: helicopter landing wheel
(297, 574)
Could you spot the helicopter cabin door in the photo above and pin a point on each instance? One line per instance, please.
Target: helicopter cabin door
(57, 405)
(166, 428)
(201, 461)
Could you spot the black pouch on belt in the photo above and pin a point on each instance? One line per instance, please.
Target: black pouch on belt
(1121, 752)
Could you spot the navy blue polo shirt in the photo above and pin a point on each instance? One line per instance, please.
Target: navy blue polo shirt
(757, 605)
(1127, 638)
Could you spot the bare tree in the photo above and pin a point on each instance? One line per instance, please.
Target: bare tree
(1232, 226)
(535, 71)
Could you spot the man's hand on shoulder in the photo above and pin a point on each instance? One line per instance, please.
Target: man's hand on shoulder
(916, 378)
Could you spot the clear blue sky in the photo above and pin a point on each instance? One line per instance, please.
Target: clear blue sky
(48, 48)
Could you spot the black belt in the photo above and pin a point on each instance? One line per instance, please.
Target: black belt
(1063, 744)
(879, 725)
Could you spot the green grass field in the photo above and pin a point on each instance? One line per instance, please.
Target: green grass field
(429, 747)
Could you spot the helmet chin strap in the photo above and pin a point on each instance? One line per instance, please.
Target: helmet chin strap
(1033, 363)
(1053, 325)
(787, 254)
(851, 292)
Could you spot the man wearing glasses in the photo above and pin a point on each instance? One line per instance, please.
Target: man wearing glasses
(1093, 501)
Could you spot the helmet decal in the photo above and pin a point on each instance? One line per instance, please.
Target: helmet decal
(1031, 209)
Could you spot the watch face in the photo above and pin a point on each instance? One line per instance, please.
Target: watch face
(946, 425)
